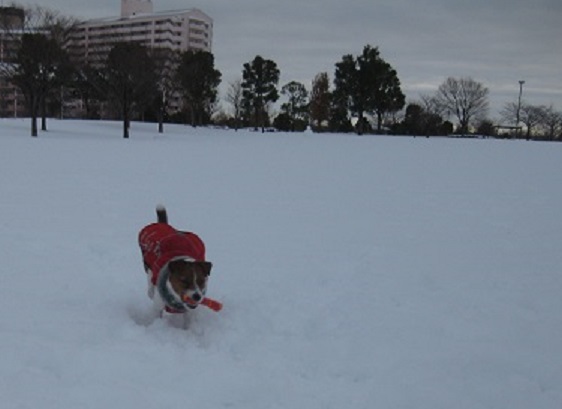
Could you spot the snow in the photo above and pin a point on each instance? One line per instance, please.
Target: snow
(356, 272)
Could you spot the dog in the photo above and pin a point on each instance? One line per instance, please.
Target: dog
(175, 264)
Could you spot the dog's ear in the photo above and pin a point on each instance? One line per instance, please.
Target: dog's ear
(206, 266)
(177, 267)
(181, 267)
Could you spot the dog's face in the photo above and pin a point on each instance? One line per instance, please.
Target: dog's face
(189, 280)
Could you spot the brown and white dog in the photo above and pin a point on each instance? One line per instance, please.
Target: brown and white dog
(175, 264)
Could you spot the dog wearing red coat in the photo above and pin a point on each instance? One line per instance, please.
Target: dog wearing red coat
(175, 265)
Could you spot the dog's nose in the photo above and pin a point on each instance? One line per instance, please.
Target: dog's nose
(196, 297)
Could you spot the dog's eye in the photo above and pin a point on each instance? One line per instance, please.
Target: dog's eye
(186, 280)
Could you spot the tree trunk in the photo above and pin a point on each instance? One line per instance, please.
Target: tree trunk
(126, 126)
(193, 121)
(379, 122)
(360, 124)
(43, 114)
(125, 121)
(33, 108)
(161, 120)
(34, 125)
(125, 117)
(256, 117)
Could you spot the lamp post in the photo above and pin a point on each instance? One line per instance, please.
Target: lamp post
(521, 82)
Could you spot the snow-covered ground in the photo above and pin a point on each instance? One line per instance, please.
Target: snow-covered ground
(356, 272)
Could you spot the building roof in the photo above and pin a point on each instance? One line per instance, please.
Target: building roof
(143, 16)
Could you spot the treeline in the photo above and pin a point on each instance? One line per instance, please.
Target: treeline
(141, 83)
(365, 95)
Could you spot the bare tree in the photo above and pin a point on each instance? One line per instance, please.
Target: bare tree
(56, 28)
(41, 66)
(552, 123)
(465, 98)
(129, 79)
(509, 113)
(431, 105)
(234, 98)
(531, 116)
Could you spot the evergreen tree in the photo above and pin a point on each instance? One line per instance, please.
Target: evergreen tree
(297, 105)
(319, 108)
(199, 81)
(368, 84)
(259, 84)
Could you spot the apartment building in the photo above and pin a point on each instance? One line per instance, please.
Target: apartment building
(90, 42)
(12, 103)
(177, 30)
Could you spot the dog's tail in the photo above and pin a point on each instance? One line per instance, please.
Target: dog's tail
(161, 214)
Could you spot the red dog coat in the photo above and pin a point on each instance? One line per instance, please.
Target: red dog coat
(160, 243)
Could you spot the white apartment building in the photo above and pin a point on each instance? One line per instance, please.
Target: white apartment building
(177, 30)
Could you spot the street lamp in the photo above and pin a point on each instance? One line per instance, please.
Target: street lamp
(521, 82)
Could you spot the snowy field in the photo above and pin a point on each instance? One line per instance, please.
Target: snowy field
(356, 272)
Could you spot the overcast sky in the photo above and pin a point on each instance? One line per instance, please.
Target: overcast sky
(496, 42)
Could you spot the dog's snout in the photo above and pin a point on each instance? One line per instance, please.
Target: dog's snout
(196, 297)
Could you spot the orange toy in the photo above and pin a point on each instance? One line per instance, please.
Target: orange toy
(207, 302)
(212, 304)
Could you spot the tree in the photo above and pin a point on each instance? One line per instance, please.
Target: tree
(389, 97)
(259, 84)
(234, 98)
(413, 119)
(368, 84)
(198, 81)
(87, 85)
(510, 114)
(531, 116)
(297, 105)
(165, 63)
(43, 21)
(41, 65)
(486, 128)
(552, 123)
(339, 115)
(129, 78)
(420, 120)
(284, 122)
(57, 28)
(464, 97)
(319, 108)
